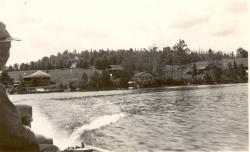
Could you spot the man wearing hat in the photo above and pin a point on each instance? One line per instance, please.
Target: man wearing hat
(14, 135)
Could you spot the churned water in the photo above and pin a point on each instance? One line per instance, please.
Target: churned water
(190, 118)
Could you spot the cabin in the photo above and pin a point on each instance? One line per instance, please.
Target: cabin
(115, 70)
(200, 67)
(38, 82)
(199, 70)
(39, 78)
(143, 79)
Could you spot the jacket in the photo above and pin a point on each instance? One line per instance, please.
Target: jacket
(12, 133)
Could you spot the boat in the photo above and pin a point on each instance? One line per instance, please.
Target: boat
(85, 148)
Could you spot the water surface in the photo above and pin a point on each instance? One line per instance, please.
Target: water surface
(192, 118)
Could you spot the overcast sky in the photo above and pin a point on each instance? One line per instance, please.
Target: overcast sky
(47, 27)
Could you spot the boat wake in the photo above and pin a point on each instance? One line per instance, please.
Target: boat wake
(62, 138)
(96, 124)
(43, 126)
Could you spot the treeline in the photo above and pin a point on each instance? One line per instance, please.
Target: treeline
(150, 60)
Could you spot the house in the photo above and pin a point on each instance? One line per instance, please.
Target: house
(143, 79)
(38, 81)
(199, 69)
(115, 70)
(38, 78)
(202, 68)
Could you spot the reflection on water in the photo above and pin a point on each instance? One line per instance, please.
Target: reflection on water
(200, 118)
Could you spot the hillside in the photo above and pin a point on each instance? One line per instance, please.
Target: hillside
(169, 72)
(57, 75)
(224, 62)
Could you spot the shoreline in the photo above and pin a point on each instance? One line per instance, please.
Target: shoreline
(124, 89)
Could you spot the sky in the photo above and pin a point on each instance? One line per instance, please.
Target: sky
(47, 27)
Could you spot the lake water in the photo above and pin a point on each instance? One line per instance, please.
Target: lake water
(190, 118)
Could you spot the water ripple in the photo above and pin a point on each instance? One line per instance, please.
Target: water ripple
(196, 118)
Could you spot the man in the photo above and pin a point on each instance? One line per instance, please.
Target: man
(13, 134)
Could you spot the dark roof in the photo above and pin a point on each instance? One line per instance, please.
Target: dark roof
(38, 74)
(116, 67)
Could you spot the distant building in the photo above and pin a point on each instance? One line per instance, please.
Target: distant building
(143, 79)
(38, 82)
(38, 78)
(115, 70)
(200, 68)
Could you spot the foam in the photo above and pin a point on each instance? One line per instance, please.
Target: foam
(95, 124)
(62, 138)
(43, 126)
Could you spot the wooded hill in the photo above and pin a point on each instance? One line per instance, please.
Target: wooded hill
(150, 60)
(171, 65)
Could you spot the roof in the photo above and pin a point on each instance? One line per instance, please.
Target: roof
(38, 74)
(139, 74)
(201, 65)
(116, 67)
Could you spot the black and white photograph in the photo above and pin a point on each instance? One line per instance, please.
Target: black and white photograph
(124, 75)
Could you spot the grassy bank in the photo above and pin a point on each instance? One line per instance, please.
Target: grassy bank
(58, 76)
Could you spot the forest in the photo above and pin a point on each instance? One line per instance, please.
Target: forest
(147, 59)
(151, 60)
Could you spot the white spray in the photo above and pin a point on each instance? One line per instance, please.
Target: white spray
(95, 124)
(43, 126)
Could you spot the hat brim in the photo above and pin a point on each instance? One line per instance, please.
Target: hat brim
(9, 39)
